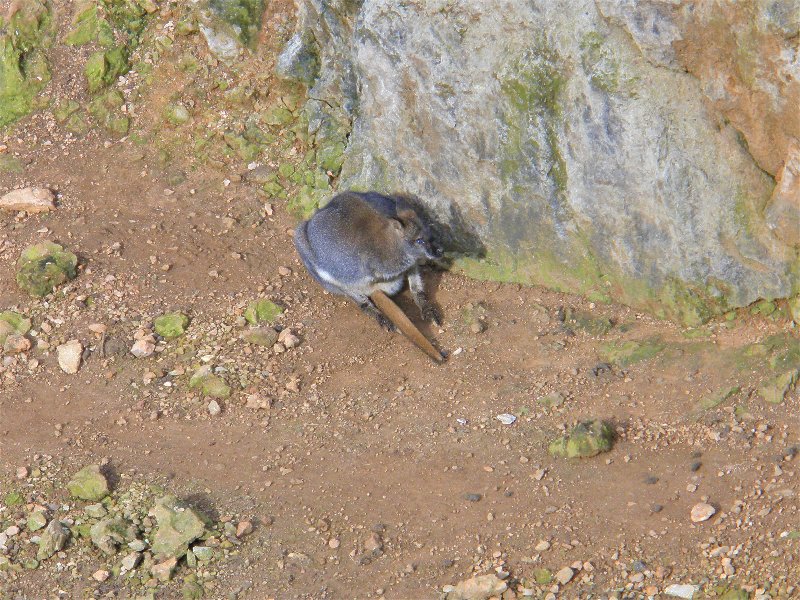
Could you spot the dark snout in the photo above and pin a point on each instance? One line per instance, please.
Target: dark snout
(435, 250)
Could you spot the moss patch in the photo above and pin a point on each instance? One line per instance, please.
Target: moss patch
(42, 267)
(262, 311)
(24, 71)
(585, 440)
(626, 353)
(243, 15)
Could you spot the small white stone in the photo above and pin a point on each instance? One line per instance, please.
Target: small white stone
(565, 575)
(542, 546)
(506, 418)
(214, 408)
(69, 356)
(702, 512)
(100, 575)
(681, 590)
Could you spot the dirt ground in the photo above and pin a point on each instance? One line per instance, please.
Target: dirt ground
(367, 470)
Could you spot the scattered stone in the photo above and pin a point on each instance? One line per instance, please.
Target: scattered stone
(260, 336)
(69, 356)
(214, 408)
(30, 199)
(163, 571)
(244, 528)
(774, 390)
(16, 344)
(22, 472)
(144, 347)
(43, 267)
(702, 512)
(506, 418)
(101, 575)
(209, 384)
(95, 511)
(472, 497)
(480, 587)
(53, 540)
(131, 561)
(178, 526)
(36, 521)
(681, 590)
(204, 553)
(89, 484)
(542, 546)
(565, 575)
(13, 323)
(262, 311)
(288, 339)
(334, 543)
(585, 440)
(111, 533)
(171, 325)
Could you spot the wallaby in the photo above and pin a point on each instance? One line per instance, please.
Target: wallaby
(362, 242)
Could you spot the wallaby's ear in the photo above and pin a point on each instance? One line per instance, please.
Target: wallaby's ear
(396, 225)
(407, 216)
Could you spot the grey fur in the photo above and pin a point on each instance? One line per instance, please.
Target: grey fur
(362, 242)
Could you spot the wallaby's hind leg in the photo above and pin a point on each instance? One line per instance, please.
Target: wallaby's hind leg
(428, 311)
(366, 305)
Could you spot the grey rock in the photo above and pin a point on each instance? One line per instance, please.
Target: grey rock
(563, 141)
(178, 526)
(111, 533)
(53, 539)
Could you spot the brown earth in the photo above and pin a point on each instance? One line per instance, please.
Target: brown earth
(360, 433)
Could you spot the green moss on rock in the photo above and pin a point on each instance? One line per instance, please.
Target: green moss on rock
(23, 66)
(106, 111)
(209, 384)
(13, 323)
(89, 484)
(243, 15)
(625, 353)
(586, 439)
(171, 325)
(102, 68)
(262, 311)
(774, 390)
(42, 267)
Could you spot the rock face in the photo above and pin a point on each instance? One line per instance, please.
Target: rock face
(623, 150)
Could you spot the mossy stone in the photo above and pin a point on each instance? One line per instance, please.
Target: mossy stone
(597, 326)
(171, 325)
(208, 384)
(262, 311)
(331, 157)
(178, 526)
(65, 110)
(775, 389)
(103, 68)
(176, 114)
(735, 594)
(11, 164)
(13, 323)
(794, 308)
(260, 336)
(717, 398)
(542, 576)
(278, 115)
(13, 498)
(89, 484)
(44, 266)
(585, 440)
(243, 15)
(36, 521)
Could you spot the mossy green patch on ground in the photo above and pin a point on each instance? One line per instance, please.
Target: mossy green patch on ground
(10, 164)
(24, 72)
(44, 266)
(13, 498)
(585, 440)
(106, 111)
(209, 384)
(592, 325)
(88, 25)
(624, 353)
(717, 398)
(104, 67)
(262, 311)
(243, 15)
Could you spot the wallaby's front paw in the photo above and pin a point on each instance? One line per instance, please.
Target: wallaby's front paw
(431, 313)
(385, 323)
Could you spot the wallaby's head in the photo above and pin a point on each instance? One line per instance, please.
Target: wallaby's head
(418, 238)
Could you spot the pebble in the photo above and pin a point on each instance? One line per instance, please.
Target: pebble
(334, 543)
(31, 200)
(22, 472)
(506, 418)
(681, 590)
(702, 512)
(143, 347)
(16, 344)
(542, 546)
(472, 497)
(565, 575)
(244, 528)
(288, 339)
(284, 271)
(69, 356)
(100, 575)
(214, 408)
(130, 562)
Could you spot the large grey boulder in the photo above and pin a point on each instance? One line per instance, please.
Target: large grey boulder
(565, 142)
